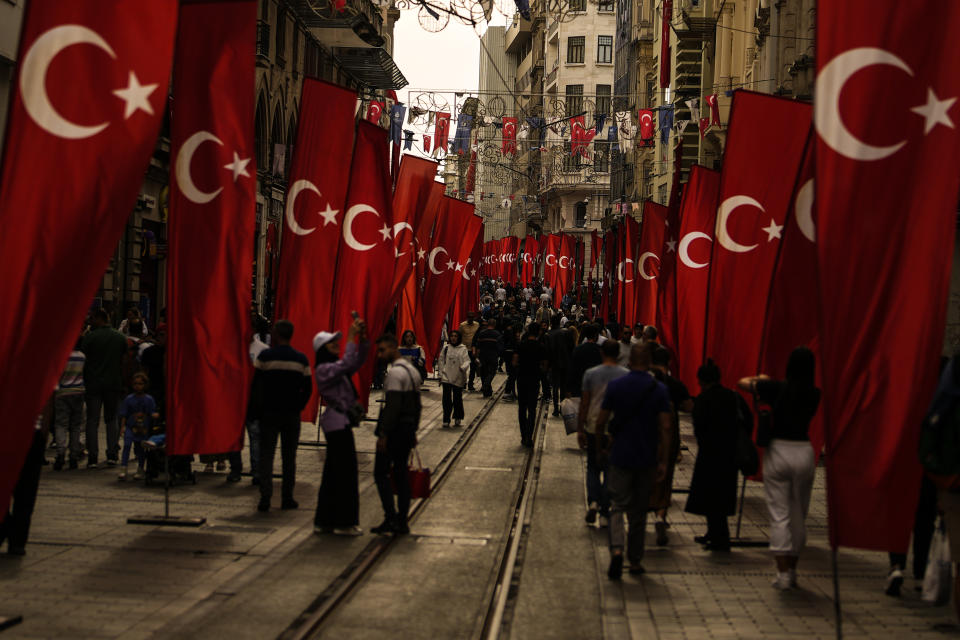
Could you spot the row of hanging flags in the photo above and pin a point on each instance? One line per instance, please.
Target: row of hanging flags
(81, 133)
(830, 226)
(622, 129)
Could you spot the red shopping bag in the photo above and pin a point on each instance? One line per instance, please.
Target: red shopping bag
(419, 477)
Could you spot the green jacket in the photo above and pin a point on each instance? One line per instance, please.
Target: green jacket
(104, 348)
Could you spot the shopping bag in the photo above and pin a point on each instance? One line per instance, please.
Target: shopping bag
(938, 578)
(569, 409)
(419, 477)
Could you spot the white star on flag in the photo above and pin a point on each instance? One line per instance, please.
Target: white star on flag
(773, 231)
(671, 245)
(473, 272)
(935, 112)
(385, 232)
(459, 267)
(135, 96)
(450, 264)
(421, 254)
(238, 166)
(330, 215)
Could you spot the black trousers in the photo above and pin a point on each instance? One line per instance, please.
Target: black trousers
(511, 373)
(287, 429)
(16, 524)
(474, 369)
(924, 522)
(395, 459)
(718, 531)
(557, 378)
(488, 369)
(452, 402)
(527, 407)
(338, 499)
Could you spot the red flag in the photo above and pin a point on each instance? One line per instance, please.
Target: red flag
(83, 122)
(452, 244)
(764, 151)
(426, 143)
(646, 124)
(714, 109)
(580, 136)
(441, 131)
(551, 251)
(374, 111)
(511, 247)
(315, 199)
(366, 256)
(566, 267)
(698, 212)
(666, 15)
(627, 271)
(652, 234)
(414, 196)
(886, 184)
(667, 283)
(467, 297)
(212, 195)
(509, 144)
(704, 127)
(531, 250)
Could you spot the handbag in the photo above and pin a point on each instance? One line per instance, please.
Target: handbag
(569, 409)
(937, 579)
(419, 477)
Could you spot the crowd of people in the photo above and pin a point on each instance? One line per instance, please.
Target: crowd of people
(612, 382)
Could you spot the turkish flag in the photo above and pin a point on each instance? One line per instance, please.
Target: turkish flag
(714, 109)
(566, 263)
(886, 194)
(467, 297)
(531, 249)
(426, 143)
(580, 136)
(413, 198)
(313, 215)
(511, 247)
(551, 253)
(87, 103)
(509, 144)
(704, 127)
(441, 132)
(374, 111)
(627, 270)
(608, 306)
(451, 246)
(667, 282)
(212, 195)
(652, 234)
(698, 213)
(366, 254)
(646, 124)
(764, 151)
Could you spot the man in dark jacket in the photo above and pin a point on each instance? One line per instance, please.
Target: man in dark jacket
(104, 348)
(281, 389)
(488, 343)
(396, 435)
(584, 356)
(560, 345)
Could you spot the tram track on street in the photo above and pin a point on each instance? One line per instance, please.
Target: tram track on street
(311, 620)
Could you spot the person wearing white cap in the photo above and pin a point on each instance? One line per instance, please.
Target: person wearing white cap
(338, 499)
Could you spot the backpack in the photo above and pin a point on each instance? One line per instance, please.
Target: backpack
(940, 446)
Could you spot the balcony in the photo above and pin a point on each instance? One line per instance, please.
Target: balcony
(263, 42)
(643, 31)
(517, 34)
(361, 16)
(553, 31)
(550, 84)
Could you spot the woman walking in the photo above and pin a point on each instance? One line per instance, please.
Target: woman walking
(413, 352)
(713, 490)
(788, 464)
(453, 364)
(338, 500)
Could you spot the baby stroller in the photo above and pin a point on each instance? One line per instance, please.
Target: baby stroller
(178, 467)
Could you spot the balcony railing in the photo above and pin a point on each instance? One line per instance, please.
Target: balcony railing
(552, 76)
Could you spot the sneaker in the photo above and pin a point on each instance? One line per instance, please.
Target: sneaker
(385, 528)
(93, 465)
(112, 462)
(233, 476)
(445, 425)
(604, 522)
(264, 504)
(58, 463)
(615, 570)
(122, 475)
(591, 517)
(782, 581)
(289, 503)
(348, 531)
(458, 423)
(894, 582)
(661, 528)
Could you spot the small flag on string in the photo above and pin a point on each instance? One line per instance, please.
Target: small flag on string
(714, 109)
(599, 127)
(666, 123)
(426, 143)
(374, 111)
(397, 112)
(461, 142)
(704, 125)
(407, 139)
(681, 126)
(694, 105)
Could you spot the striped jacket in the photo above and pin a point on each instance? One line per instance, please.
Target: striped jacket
(281, 383)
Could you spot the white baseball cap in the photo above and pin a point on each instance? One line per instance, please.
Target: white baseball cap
(323, 338)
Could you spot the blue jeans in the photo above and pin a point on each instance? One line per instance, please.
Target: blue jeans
(236, 461)
(597, 472)
(129, 439)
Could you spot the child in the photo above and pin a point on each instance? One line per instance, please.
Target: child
(138, 411)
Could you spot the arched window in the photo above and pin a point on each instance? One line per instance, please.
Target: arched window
(276, 139)
(260, 139)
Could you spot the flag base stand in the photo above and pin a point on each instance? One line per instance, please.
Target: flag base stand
(9, 621)
(736, 540)
(167, 520)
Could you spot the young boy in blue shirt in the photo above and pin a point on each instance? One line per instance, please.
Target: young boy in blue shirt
(138, 412)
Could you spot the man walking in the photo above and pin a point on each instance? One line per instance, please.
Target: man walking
(468, 329)
(585, 356)
(68, 409)
(530, 362)
(560, 344)
(396, 435)
(104, 349)
(281, 389)
(640, 436)
(489, 344)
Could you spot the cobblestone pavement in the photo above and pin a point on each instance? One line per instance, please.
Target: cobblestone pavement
(88, 574)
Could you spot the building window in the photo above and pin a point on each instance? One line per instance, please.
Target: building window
(281, 38)
(605, 49)
(601, 157)
(295, 54)
(605, 5)
(578, 5)
(575, 47)
(265, 10)
(574, 100)
(581, 215)
(662, 194)
(571, 162)
(603, 99)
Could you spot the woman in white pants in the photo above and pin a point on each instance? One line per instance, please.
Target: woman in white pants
(789, 463)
